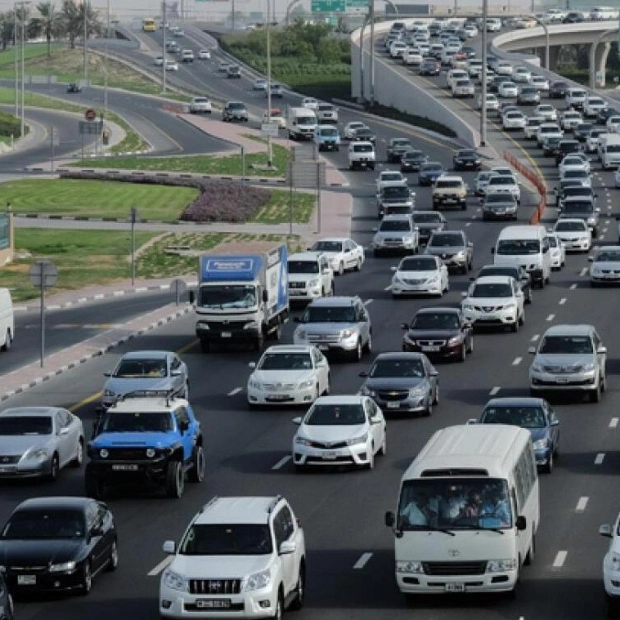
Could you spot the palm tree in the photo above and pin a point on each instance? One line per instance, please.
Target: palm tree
(71, 21)
(47, 23)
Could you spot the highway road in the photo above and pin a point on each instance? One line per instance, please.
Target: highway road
(342, 511)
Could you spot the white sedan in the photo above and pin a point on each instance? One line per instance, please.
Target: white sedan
(491, 103)
(288, 375)
(574, 233)
(613, 124)
(494, 301)
(546, 111)
(172, 65)
(611, 567)
(420, 275)
(342, 253)
(310, 102)
(507, 90)
(158, 61)
(260, 84)
(349, 130)
(540, 82)
(570, 119)
(503, 67)
(204, 55)
(340, 430)
(605, 268)
(557, 251)
(522, 75)
(513, 120)
(574, 162)
(390, 177)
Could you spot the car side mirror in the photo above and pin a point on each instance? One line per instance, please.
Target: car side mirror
(493, 250)
(252, 364)
(297, 319)
(606, 530)
(554, 422)
(96, 531)
(404, 326)
(472, 421)
(597, 210)
(265, 295)
(531, 350)
(389, 519)
(601, 350)
(521, 523)
(287, 547)
(296, 421)
(169, 547)
(470, 244)
(364, 373)
(392, 268)
(433, 373)
(107, 374)
(463, 294)
(375, 229)
(591, 259)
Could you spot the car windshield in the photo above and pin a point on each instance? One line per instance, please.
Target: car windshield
(44, 524)
(454, 504)
(335, 415)
(432, 167)
(605, 256)
(491, 290)
(576, 174)
(363, 148)
(132, 368)
(329, 131)
(436, 320)
(525, 417)
(444, 184)
(395, 225)
(303, 266)
(445, 240)
(553, 242)
(329, 314)
(227, 296)
(427, 218)
(397, 368)
(395, 191)
(514, 247)
(559, 345)
(25, 425)
(392, 176)
(137, 422)
(582, 206)
(414, 155)
(570, 226)
(285, 361)
(401, 144)
(419, 263)
(236, 106)
(502, 180)
(225, 539)
(327, 246)
(498, 198)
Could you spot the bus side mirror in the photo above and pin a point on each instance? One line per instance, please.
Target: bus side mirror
(265, 295)
(389, 519)
(521, 523)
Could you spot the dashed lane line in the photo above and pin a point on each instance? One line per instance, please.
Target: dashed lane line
(363, 560)
(235, 391)
(581, 504)
(613, 423)
(560, 558)
(573, 287)
(368, 302)
(550, 317)
(282, 462)
(494, 391)
(583, 271)
(535, 337)
(160, 567)
(562, 301)
(599, 458)
(516, 361)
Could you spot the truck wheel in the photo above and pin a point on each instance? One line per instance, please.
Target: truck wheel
(197, 472)
(276, 334)
(175, 480)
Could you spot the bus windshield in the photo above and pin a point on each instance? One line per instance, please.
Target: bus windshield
(454, 504)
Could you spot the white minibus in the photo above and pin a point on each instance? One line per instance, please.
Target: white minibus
(467, 512)
(7, 320)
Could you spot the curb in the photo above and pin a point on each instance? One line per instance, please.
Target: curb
(54, 373)
(98, 296)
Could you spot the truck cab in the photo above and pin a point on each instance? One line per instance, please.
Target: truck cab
(301, 123)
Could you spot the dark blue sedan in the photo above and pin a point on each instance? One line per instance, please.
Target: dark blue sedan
(429, 172)
(533, 414)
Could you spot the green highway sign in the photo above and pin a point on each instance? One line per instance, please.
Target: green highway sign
(357, 4)
(328, 6)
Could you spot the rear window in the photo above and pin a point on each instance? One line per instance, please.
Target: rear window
(448, 184)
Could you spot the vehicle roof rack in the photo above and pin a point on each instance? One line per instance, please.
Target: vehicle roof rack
(167, 394)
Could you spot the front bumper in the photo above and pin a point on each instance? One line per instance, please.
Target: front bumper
(32, 469)
(611, 277)
(128, 472)
(442, 584)
(499, 214)
(561, 382)
(403, 288)
(611, 579)
(444, 351)
(292, 396)
(232, 335)
(305, 294)
(408, 404)
(358, 455)
(26, 581)
(330, 344)
(495, 317)
(576, 245)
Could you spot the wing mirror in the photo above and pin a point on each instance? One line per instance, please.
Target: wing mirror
(296, 421)
(287, 547)
(606, 530)
(531, 350)
(472, 421)
(169, 547)
(252, 364)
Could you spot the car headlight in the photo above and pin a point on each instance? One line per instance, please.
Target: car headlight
(397, 280)
(36, 454)
(109, 393)
(615, 561)
(301, 333)
(409, 566)
(257, 581)
(174, 581)
(346, 333)
(588, 367)
(63, 567)
(103, 453)
(511, 306)
(257, 385)
(366, 391)
(468, 307)
(501, 566)
(304, 385)
(417, 392)
(541, 444)
(454, 340)
(357, 440)
(302, 441)
(408, 240)
(460, 254)
(432, 279)
(251, 325)
(313, 283)
(536, 367)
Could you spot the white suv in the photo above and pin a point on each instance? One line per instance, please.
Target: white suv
(309, 276)
(240, 556)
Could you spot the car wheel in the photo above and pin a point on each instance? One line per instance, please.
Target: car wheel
(300, 589)
(357, 353)
(531, 553)
(277, 614)
(514, 327)
(371, 458)
(54, 468)
(528, 299)
(340, 269)
(86, 584)
(197, 472)
(463, 355)
(327, 386)
(175, 479)
(548, 468)
(595, 394)
(368, 345)
(79, 454)
(113, 559)
(358, 265)
(8, 341)
(470, 349)
(522, 319)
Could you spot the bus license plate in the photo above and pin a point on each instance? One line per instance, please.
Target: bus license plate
(455, 587)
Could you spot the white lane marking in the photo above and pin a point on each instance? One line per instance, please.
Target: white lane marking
(282, 462)
(368, 302)
(467, 224)
(605, 229)
(562, 301)
(581, 504)
(160, 567)
(535, 337)
(363, 560)
(607, 222)
(550, 317)
(600, 457)
(516, 361)
(613, 423)
(388, 287)
(494, 391)
(583, 271)
(573, 287)
(560, 558)
(235, 391)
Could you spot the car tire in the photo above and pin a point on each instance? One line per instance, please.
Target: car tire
(358, 265)
(531, 552)
(52, 476)
(277, 614)
(596, 393)
(514, 327)
(175, 480)
(371, 459)
(356, 354)
(340, 271)
(612, 606)
(368, 346)
(197, 472)
(548, 468)
(86, 584)
(522, 320)
(113, 558)
(8, 341)
(300, 589)
(470, 349)
(463, 355)
(78, 461)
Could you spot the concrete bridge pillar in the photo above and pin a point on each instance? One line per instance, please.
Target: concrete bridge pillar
(598, 62)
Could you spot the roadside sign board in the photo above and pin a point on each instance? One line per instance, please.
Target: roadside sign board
(328, 6)
(269, 129)
(90, 127)
(90, 114)
(43, 273)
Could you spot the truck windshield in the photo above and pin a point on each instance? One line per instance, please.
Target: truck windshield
(228, 296)
(515, 247)
(454, 503)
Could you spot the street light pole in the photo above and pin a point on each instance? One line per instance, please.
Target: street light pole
(372, 54)
(16, 60)
(105, 60)
(23, 112)
(483, 90)
(85, 10)
(163, 51)
(269, 150)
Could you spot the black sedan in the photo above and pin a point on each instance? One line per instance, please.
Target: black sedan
(57, 544)
(439, 333)
(405, 382)
(557, 90)
(430, 172)
(430, 67)
(467, 159)
(364, 134)
(412, 161)
(74, 88)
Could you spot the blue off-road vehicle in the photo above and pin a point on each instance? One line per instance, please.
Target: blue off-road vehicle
(146, 438)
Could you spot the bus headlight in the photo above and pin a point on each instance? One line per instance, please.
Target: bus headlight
(410, 567)
(501, 566)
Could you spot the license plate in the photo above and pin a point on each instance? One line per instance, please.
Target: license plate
(323, 347)
(26, 580)
(561, 380)
(455, 587)
(329, 456)
(226, 335)
(430, 348)
(393, 405)
(125, 467)
(5, 470)
(213, 603)
(279, 397)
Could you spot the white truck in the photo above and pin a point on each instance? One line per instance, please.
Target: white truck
(241, 297)
(362, 155)
(301, 123)
(609, 150)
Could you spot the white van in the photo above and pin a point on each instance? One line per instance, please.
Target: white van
(301, 123)
(609, 150)
(600, 13)
(7, 320)
(527, 247)
(467, 512)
